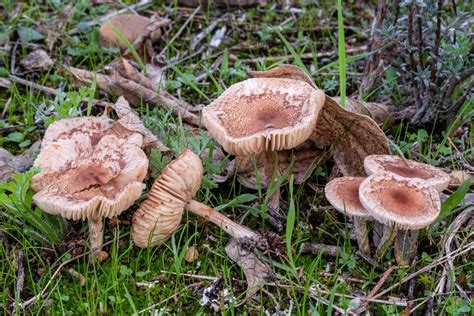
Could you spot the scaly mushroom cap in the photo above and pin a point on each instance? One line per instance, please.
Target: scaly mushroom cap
(407, 169)
(263, 114)
(90, 167)
(343, 194)
(130, 25)
(160, 215)
(409, 203)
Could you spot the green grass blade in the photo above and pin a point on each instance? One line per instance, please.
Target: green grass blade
(453, 201)
(341, 53)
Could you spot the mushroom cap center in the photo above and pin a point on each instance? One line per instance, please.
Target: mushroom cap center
(408, 172)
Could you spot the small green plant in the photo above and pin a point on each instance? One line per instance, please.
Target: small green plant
(20, 216)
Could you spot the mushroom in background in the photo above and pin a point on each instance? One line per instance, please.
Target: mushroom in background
(264, 115)
(407, 169)
(160, 215)
(343, 194)
(401, 203)
(91, 167)
(130, 25)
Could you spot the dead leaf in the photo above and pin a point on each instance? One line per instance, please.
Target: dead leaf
(78, 275)
(135, 93)
(54, 27)
(191, 254)
(353, 136)
(256, 271)
(150, 35)
(10, 164)
(5, 83)
(131, 121)
(379, 112)
(37, 60)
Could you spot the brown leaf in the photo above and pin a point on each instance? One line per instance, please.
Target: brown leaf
(379, 112)
(353, 136)
(10, 164)
(459, 176)
(37, 60)
(191, 254)
(131, 121)
(256, 271)
(135, 93)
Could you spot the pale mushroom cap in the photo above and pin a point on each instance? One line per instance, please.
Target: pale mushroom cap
(103, 185)
(160, 215)
(343, 194)
(130, 25)
(263, 114)
(409, 203)
(407, 169)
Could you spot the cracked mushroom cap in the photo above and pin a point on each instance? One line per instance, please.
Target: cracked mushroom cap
(409, 203)
(263, 114)
(343, 194)
(160, 214)
(130, 25)
(90, 167)
(407, 169)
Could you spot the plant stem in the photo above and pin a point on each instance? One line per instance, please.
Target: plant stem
(405, 246)
(360, 226)
(96, 234)
(389, 233)
(235, 230)
(273, 201)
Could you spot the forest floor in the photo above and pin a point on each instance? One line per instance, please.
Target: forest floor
(45, 266)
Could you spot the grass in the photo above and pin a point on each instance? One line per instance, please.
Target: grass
(110, 287)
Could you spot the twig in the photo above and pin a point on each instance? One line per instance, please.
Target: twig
(20, 279)
(183, 27)
(199, 37)
(13, 58)
(35, 85)
(33, 300)
(381, 282)
(435, 263)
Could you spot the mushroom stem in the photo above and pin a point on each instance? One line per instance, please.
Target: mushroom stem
(235, 230)
(96, 234)
(360, 227)
(273, 201)
(389, 233)
(405, 246)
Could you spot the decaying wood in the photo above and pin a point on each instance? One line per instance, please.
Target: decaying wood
(135, 93)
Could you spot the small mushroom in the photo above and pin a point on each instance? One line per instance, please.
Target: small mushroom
(408, 169)
(343, 194)
(130, 25)
(264, 115)
(160, 215)
(400, 203)
(91, 167)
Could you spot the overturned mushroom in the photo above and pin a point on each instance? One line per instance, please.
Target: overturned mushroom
(408, 169)
(400, 203)
(160, 215)
(264, 115)
(91, 167)
(343, 194)
(130, 25)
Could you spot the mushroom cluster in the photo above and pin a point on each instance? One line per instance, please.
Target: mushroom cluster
(91, 168)
(400, 194)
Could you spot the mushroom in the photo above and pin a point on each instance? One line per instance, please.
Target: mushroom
(343, 194)
(407, 169)
(91, 167)
(264, 115)
(160, 215)
(130, 25)
(401, 203)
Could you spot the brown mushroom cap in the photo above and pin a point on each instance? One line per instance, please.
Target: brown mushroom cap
(130, 25)
(343, 194)
(407, 169)
(159, 215)
(91, 167)
(410, 203)
(263, 114)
